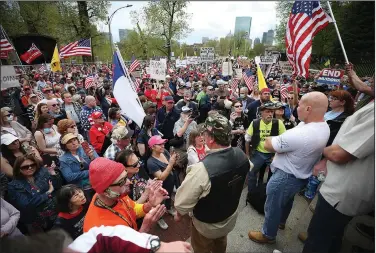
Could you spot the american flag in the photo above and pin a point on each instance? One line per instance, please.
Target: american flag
(89, 82)
(306, 19)
(248, 79)
(283, 90)
(78, 48)
(134, 65)
(137, 83)
(42, 68)
(234, 84)
(5, 44)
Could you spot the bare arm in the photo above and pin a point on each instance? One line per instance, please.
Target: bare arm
(141, 148)
(163, 175)
(6, 167)
(42, 144)
(296, 97)
(337, 154)
(268, 145)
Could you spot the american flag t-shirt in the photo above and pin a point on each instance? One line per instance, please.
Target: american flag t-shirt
(306, 19)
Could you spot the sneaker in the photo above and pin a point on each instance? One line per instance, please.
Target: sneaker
(172, 212)
(162, 224)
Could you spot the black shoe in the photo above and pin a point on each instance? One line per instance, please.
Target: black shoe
(367, 231)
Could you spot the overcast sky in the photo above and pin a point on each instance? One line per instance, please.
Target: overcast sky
(209, 19)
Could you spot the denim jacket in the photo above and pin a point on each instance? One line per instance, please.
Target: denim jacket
(26, 199)
(73, 171)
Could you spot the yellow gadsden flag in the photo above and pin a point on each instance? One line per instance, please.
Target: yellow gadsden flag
(261, 79)
(55, 62)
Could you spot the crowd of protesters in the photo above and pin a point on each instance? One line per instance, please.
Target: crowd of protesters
(72, 160)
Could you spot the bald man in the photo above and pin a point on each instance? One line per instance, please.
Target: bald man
(89, 107)
(297, 151)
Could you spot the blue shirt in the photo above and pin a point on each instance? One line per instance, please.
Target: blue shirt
(331, 115)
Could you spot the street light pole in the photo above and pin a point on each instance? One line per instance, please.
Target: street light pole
(109, 19)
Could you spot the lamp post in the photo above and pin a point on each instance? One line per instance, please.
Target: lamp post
(109, 19)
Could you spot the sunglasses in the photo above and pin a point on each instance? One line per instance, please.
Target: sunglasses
(237, 106)
(289, 98)
(28, 167)
(135, 165)
(72, 126)
(54, 105)
(121, 182)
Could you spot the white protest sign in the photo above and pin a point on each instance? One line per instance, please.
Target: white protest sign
(238, 73)
(267, 59)
(8, 77)
(147, 70)
(207, 54)
(257, 60)
(286, 67)
(227, 69)
(158, 69)
(181, 63)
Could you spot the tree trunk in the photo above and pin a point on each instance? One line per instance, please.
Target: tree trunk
(170, 32)
(84, 26)
(144, 46)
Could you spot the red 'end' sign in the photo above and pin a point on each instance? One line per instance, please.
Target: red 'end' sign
(330, 76)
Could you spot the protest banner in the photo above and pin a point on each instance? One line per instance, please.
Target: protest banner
(158, 69)
(227, 69)
(286, 67)
(238, 73)
(267, 59)
(8, 77)
(207, 54)
(330, 76)
(147, 70)
(181, 63)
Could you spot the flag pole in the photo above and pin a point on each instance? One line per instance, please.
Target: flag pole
(338, 34)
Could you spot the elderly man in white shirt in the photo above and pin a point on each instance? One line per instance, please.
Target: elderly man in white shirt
(297, 151)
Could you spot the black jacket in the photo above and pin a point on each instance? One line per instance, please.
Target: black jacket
(335, 125)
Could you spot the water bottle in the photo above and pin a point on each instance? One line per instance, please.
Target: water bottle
(313, 183)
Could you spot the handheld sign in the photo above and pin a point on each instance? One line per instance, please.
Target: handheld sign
(207, 54)
(267, 59)
(158, 69)
(226, 69)
(8, 77)
(286, 67)
(330, 76)
(181, 63)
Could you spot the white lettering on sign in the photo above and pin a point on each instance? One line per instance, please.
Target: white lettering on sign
(8, 77)
(330, 76)
(267, 59)
(207, 54)
(331, 72)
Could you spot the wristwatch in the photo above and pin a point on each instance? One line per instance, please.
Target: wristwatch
(155, 244)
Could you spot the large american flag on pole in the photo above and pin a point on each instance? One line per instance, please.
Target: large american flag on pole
(78, 48)
(5, 45)
(248, 79)
(306, 19)
(134, 65)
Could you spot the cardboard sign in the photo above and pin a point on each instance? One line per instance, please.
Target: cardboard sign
(8, 77)
(158, 69)
(330, 76)
(226, 69)
(238, 73)
(286, 67)
(207, 54)
(181, 63)
(267, 59)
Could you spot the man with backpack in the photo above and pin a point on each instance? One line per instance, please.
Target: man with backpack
(255, 136)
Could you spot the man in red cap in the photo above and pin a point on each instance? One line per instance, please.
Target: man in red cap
(100, 132)
(253, 108)
(150, 93)
(111, 204)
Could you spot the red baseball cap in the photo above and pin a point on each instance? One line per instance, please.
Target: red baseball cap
(96, 115)
(156, 140)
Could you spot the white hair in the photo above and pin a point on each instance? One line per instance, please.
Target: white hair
(118, 133)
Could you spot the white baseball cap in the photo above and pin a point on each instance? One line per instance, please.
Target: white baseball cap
(7, 139)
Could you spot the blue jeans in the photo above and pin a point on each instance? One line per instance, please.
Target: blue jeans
(258, 159)
(326, 229)
(280, 193)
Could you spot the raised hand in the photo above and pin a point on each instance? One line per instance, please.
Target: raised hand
(157, 194)
(152, 217)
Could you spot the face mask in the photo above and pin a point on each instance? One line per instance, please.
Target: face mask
(10, 117)
(46, 130)
(242, 95)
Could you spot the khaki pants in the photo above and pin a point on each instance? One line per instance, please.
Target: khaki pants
(201, 244)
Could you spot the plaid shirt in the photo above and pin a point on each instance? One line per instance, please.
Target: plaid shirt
(112, 150)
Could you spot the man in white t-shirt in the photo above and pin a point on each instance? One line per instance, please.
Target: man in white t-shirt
(297, 151)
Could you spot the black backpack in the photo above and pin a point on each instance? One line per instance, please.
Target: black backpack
(257, 198)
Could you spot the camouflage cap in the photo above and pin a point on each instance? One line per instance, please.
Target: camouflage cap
(219, 126)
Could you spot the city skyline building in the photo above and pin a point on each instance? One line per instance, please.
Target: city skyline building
(243, 24)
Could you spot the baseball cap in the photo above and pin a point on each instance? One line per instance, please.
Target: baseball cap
(148, 104)
(156, 140)
(168, 76)
(33, 95)
(121, 132)
(265, 90)
(7, 139)
(269, 105)
(67, 138)
(168, 99)
(96, 115)
(47, 88)
(186, 109)
(219, 126)
(210, 87)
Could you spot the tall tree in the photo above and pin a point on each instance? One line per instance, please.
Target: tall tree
(167, 20)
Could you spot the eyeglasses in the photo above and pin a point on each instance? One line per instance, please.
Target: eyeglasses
(72, 126)
(54, 105)
(333, 98)
(135, 165)
(237, 106)
(28, 167)
(121, 182)
(289, 98)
